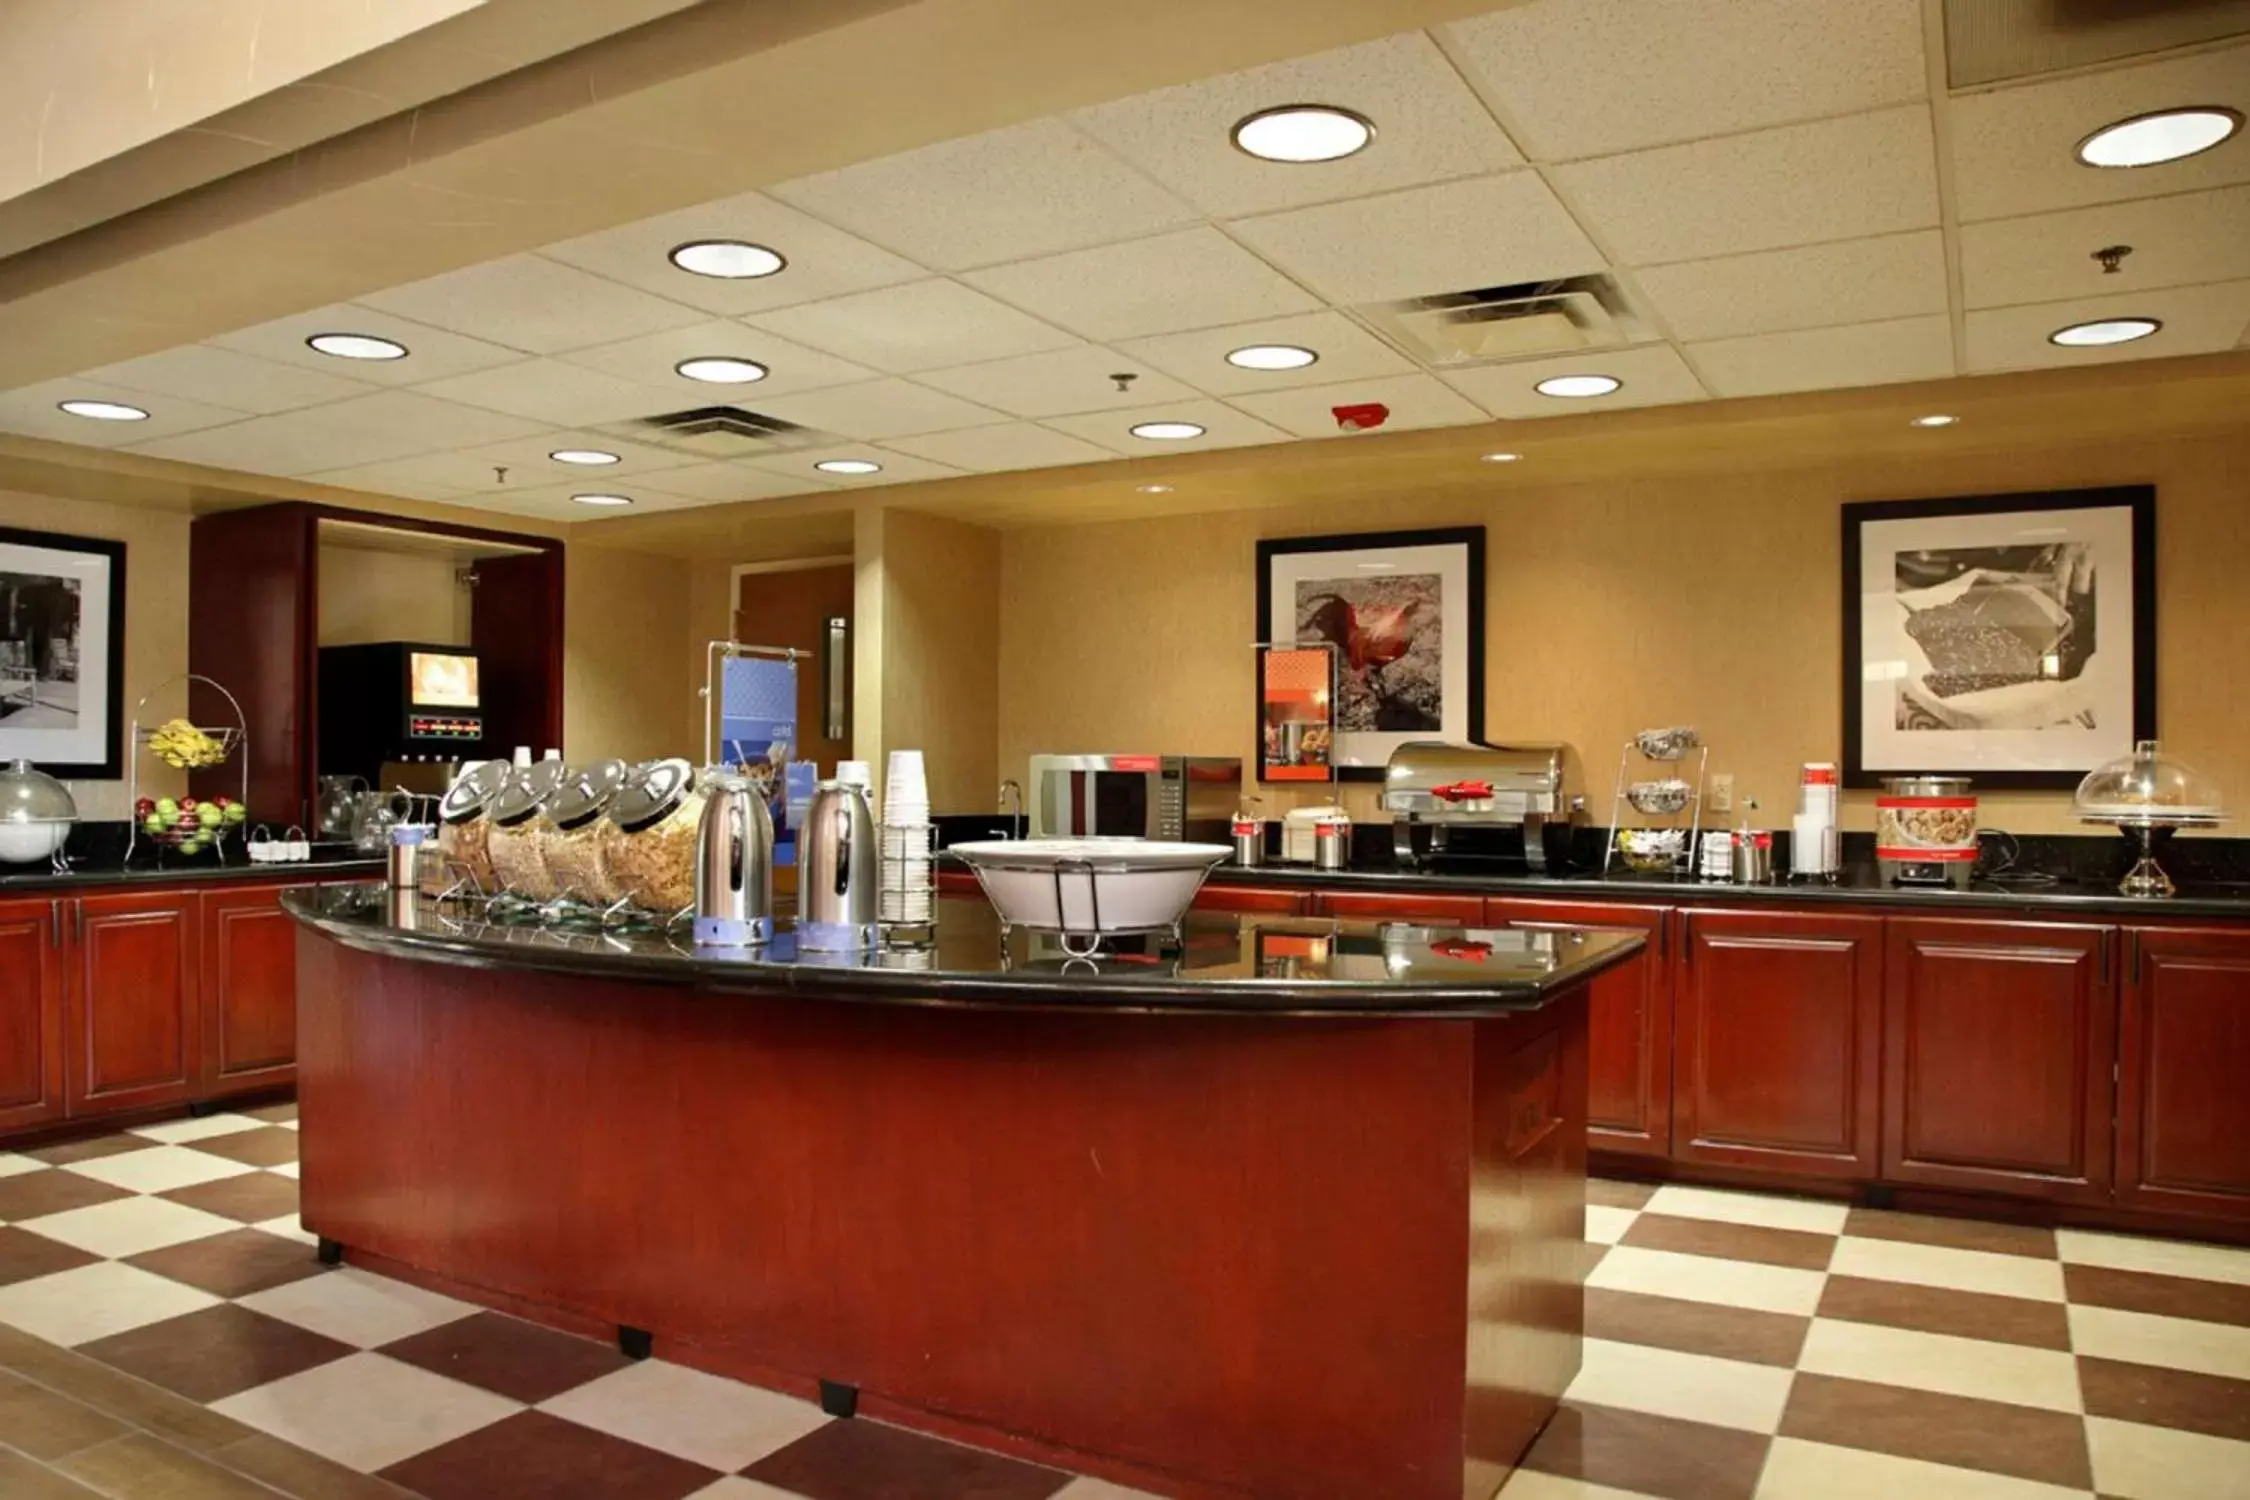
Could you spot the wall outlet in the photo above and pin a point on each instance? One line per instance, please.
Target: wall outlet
(1722, 792)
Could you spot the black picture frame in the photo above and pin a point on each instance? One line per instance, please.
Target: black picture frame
(111, 766)
(1469, 538)
(2139, 501)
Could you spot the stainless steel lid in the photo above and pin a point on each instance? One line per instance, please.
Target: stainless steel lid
(527, 791)
(1926, 786)
(472, 792)
(649, 793)
(587, 793)
(30, 795)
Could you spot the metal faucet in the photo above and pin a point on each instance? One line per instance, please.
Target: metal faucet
(1011, 796)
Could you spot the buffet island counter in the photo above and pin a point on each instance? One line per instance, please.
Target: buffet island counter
(1290, 1207)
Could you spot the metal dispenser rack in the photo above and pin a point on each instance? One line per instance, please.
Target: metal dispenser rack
(233, 741)
(1692, 809)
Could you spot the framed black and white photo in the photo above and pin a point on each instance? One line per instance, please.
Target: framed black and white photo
(1405, 612)
(2011, 638)
(62, 653)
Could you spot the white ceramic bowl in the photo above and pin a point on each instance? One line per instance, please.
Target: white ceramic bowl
(1091, 886)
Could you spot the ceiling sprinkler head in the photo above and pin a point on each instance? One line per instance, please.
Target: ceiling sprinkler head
(1124, 379)
(2112, 257)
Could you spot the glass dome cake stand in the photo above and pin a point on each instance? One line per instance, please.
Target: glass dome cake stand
(2140, 793)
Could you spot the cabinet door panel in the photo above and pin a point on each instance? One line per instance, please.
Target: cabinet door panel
(1999, 1038)
(31, 1022)
(249, 990)
(132, 1002)
(1452, 909)
(1268, 900)
(2184, 1065)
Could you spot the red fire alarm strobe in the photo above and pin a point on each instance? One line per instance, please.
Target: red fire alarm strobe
(1360, 418)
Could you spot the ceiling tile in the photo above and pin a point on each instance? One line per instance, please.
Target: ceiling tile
(879, 409)
(898, 467)
(432, 353)
(527, 456)
(202, 372)
(729, 481)
(538, 306)
(1192, 279)
(2197, 320)
(470, 471)
(344, 434)
(550, 391)
(1223, 427)
(554, 501)
(1415, 400)
(924, 325)
(1598, 76)
(1428, 126)
(1488, 231)
(822, 262)
(1347, 352)
(1653, 374)
(1030, 189)
(2179, 241)
(1060, 382)
(1794, 185)
(1819, 359)
(1848, 281)
(425, 476)
(1018, 445)
(31, 411)
(653, 358)
(2015, 149)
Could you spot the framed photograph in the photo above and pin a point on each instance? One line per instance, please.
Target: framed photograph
(62, 653)
(1404, 611)
(2010, 638)
(1296, 712)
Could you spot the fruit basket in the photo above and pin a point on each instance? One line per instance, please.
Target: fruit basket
(189, 825)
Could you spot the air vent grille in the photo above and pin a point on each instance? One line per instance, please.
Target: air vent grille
(1492, 325)
(719, 432)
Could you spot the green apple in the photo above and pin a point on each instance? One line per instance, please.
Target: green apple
(167, 809)
(210, 815)
(236, 812)
(153, 823)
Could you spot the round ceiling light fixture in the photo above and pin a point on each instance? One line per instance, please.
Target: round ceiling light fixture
(728, 260)
(2104, 331)
(1577, 387)
(1303, 133)
(718, 369)
(848, 466)
(356, 346)
(1168, 432)
(2160, 136)
(1937, 419)
(1499, 458)
(588, 457)
(1272, 357)
(104, 411)
(603, 499)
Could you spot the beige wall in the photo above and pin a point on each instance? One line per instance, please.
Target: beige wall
(940, 634)
(626, 680)
(1612, 607)
(370, 594)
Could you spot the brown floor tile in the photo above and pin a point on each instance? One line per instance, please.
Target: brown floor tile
(2023, 1441)
(1930, 1309)
(533, 1454)
(141, 1468)
(36, 1421)
(267, 1146)
(1953, 1234)
(867, 1460)
(274, 1113)
(34, 1194)
(126, 1398)
(212, 1354)
(233, 1264)
(1772, 1247)
(252, 1198)
(1652, 1455)
(517, 1359)
(21, 1479)
(24, 1255)
(92, 1148)
(2167, 1296)
(1611, 1193)
(307, 1476)
(2210, 1404)
(1695, 1327)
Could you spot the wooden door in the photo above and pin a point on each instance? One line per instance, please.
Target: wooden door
(248, 991)
(793, 608)
(1629, 1023)
(251, 626)
(2183, 1071)
(1437, 907)
(1777, 1033)
(31, 1018)
(131, 1006)
(1999, 1040)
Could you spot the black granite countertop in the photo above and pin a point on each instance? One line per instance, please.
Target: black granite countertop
(39, 878)
(1227, 964)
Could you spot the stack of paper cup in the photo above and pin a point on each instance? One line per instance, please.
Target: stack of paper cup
(1814, 842)
(908, 895)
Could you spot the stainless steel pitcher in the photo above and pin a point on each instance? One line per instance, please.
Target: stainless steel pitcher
(837, 875)
(733, 866)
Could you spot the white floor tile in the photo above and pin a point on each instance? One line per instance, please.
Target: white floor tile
(159, 1169)
(289, 1227)
(2133, 1252)
(93, 1302)
(735, 1487)
(1096, 1489)
(286, 1169)
(128, 1226)
(180, 1132)
(1940, 1362)
(366, 1411)
(12, 1165)
(287, 1124)
(2147, 1339)
(1691, 1387)
(1961, 1270)
(1530, 1484)
(1749, 1208)
(2138, 1462)
(691, 1415)
(1706, 1278)
(1606, 1225)
(1798, 1470)
(357, 1307)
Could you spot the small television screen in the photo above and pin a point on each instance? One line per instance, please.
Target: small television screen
(441, 679)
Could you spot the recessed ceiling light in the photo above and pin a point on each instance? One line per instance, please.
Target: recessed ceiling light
(714, 369)
(1500, 458)
(1936, 419)
(1577, 387)
(848, 466)
(356, 346)
(1300, 133)
(729, 260)
(2104, 331)
(1155, 489)
(104, 411)
(1272, 357)
(2162, 136)
(1167, 432)
(591, 457)
(603, 499)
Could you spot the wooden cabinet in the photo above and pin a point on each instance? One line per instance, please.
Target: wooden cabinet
(1998, 1044)
(132, 1002)
(2184, 1072)
(1777, 1035)
(1451, 908)
(249, 991)
(1629, 1023)
(31, 1012)
(1265, 900)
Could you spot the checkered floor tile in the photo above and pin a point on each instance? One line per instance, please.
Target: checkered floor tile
(1739, 1347)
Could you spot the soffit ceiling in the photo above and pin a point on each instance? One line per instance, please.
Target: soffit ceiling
(1822, 221)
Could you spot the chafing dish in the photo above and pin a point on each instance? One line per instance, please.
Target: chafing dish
(1505, 803)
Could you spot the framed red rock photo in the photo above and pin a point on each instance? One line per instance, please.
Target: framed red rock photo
(2011, 638)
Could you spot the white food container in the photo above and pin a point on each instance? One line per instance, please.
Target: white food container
(1091, 887)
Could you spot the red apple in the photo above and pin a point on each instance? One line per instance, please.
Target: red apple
(187, 804)
(222, 801)
(144, 807)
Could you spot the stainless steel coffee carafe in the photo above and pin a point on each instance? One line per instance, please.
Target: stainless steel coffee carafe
(733, 867)
(837, 875)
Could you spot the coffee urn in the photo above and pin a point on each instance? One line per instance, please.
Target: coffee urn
(733, 867)
(837, 875)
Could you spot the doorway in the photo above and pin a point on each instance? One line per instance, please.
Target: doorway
(793, 607)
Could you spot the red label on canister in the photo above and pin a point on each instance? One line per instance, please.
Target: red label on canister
(1921, 853)
(1245, 828)
(1820, 775)
(1967, 802)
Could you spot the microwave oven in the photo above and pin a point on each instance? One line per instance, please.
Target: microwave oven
(1134, 796)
